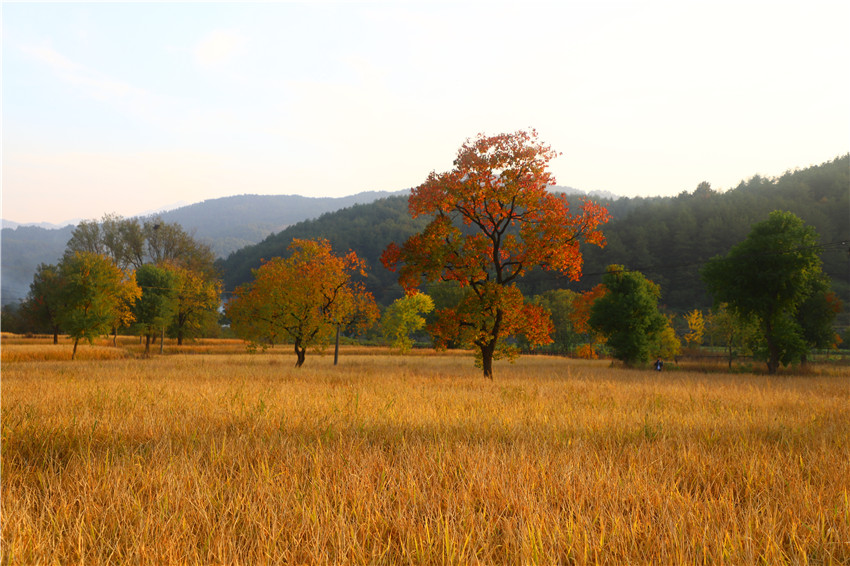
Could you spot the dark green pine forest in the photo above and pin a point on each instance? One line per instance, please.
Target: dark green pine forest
(668, 239)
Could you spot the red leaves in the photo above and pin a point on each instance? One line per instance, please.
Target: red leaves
(493, 219)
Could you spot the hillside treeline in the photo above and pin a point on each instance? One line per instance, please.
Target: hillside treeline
(667, 238)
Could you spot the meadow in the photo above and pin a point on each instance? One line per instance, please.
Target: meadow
(211, 455)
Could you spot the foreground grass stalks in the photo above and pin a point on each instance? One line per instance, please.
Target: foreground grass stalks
(384, 459)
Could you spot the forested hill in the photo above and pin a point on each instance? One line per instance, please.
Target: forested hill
(231, 223)
(667, 238)
(364, 228)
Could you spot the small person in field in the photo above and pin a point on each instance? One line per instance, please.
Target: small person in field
(658, 364)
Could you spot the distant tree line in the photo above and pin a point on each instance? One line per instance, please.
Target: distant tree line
(150, 278)
(668, 239)
(487, 258)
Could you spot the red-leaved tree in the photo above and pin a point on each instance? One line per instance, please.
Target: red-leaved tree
(493, 219)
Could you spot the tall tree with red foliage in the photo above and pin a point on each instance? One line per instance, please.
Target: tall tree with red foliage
(493, 219)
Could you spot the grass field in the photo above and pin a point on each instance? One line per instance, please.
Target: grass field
(217, 456)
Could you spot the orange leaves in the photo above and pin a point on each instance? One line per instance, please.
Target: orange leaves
(303, 297)
(493, 219)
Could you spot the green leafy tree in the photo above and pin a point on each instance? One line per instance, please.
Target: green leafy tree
(735, 334)
(196, 302)
(627, 315)
(44, 300)
(92, 290)
(131, 243)
(156, 306)
(769, 276)
(816, 317)
(403, 317)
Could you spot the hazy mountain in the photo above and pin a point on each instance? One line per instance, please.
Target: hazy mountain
(22, 249)
(226, 224)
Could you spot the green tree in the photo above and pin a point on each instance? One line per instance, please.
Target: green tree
(627, 315)
(133, 244)
(816, 316)
(44, 300)
(559, 304)
(196, 302)
(403, 317)
(92, 290)
(735, 334)
(157, 304)
(768, 277)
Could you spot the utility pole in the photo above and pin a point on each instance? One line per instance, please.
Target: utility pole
(336, 347)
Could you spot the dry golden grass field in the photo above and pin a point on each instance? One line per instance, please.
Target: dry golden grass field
(216, 456)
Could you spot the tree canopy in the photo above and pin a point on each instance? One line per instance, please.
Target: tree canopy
(627, 315)
(491, 219)
(769, 276)
(304, 298)
(92, 290)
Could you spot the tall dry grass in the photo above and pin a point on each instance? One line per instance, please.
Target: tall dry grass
(242, 459)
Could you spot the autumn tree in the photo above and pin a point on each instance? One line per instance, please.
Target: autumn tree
(305, 298)
(559, 304)
(696, 326)
(403, 317)
(627, 314)
(156, 305)
(769, 277)
(666, 344)
(133, 244)
(92, 289)
(492, 219)
(580, 316)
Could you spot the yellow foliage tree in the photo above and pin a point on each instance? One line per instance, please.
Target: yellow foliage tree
(696, 327)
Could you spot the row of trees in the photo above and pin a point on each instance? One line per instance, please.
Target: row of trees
(668, 239)
(492, 219)
(118, 273)
(485, 224)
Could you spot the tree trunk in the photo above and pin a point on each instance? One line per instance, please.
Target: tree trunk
(147, 345)
(487, 358)
(301, 353)
(55, 334)
(772, 357)
(336, 346)
(179, 337)
(74, 353)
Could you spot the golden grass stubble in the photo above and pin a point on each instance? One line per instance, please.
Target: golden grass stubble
(237, 459)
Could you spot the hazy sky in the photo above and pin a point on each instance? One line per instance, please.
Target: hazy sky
(129, 107)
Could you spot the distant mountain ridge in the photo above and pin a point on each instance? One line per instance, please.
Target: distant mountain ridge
(231, 223)
(227, 224)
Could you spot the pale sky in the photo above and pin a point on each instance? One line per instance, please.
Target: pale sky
(129, 107)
